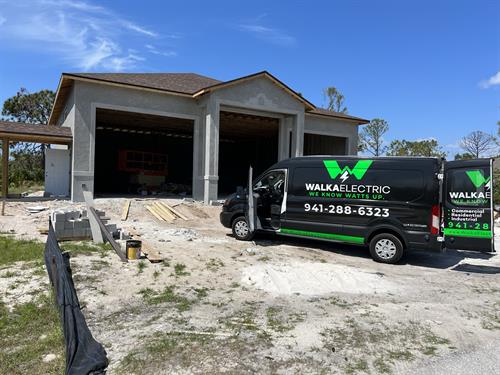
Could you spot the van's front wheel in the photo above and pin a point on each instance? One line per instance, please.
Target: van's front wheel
(241, 230)
(386, 248)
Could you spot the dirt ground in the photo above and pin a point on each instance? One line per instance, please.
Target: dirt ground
(275, 305)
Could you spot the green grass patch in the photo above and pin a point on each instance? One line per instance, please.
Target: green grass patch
(141, 266)
(180, 270)
(86, 248)
(31, 331)
(388, 343)
(168, 295)
(12, 250)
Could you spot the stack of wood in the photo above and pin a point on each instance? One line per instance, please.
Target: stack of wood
(163, 212)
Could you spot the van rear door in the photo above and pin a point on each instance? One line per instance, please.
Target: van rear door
(468, 205)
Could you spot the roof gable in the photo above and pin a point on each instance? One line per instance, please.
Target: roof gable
(264, 74)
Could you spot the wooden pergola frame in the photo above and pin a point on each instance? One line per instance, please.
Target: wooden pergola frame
(20, 132)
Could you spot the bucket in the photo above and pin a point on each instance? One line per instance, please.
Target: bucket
(133, 249)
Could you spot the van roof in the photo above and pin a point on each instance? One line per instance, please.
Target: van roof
(352, 157)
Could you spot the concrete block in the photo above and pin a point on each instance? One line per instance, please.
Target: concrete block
(58, 225)
(58, 216)
(72, 215)
(66, 233)
(69, 224)
(80, 224)
(79, 232)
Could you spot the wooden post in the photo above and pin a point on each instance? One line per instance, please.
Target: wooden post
(5, 172)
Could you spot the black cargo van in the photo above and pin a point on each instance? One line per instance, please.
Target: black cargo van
(391, 204)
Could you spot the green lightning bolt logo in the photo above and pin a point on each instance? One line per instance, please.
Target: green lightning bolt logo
(477, 178)
(359, 170)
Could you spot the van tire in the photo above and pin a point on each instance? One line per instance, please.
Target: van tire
(240, 228)
(386, 248)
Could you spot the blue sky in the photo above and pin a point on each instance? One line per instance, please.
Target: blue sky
(430, 68)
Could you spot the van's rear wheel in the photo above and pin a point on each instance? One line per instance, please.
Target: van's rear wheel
(241, 230)
(386, 248)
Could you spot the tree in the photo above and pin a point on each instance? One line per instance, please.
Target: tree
(335, 100)
(426, 147)
(478, 143)
(29, 108)
(464, 156)
(28, 159)
(370, 138)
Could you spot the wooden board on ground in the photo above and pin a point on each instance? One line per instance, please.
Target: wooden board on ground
(174, 211)
(154, 213)
(165, 213)
(162, 214)
(126, 208)
(152, 254)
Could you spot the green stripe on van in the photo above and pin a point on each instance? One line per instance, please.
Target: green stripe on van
(329, 236)
(467, 233)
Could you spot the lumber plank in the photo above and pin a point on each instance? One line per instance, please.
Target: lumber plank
(174, 211)
(160, 213)
(153, 212)
(164, 211)
(126, 208)
(151, 253)
(165, 217)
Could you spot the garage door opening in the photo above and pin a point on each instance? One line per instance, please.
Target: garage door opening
(315, 144)
(245, 140)
(139, 153)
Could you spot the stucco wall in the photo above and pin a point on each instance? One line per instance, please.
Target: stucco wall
(332, 126)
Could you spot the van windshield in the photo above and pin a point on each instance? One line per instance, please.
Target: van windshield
(273, 181)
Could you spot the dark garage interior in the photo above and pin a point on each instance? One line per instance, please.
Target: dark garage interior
(316, 144)
(137, 153)
(245, 140)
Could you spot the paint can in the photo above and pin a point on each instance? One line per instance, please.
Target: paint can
(133, 249)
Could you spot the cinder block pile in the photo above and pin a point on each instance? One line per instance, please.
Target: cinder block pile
(74, 224)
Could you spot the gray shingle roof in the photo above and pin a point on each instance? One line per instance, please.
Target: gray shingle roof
(186, 83)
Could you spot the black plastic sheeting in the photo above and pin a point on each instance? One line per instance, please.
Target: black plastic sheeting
(84, 355)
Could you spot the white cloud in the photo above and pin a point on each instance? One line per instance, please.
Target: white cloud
(152, 49)
(140, 29)
(84, 35)
(268, 34)
(492, 81)
(2, 20)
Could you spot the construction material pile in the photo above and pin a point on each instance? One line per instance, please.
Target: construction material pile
(163, 212)
(74, 224)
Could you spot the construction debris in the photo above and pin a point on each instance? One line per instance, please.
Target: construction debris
(36, 209)
(163, 212)
(75, 224)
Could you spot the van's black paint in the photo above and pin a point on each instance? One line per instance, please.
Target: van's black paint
(406, 211)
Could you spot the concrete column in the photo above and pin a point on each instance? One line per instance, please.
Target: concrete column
(284, 138)
(198, 152)
(298, 135)
(211, 152)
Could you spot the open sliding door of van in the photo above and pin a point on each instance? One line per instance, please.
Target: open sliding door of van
(468, 205)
